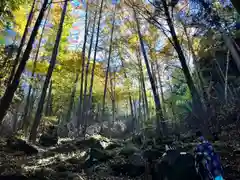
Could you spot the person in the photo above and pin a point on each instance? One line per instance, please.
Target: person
(206, 156)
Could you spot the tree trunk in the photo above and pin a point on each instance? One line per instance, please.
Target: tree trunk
(48, 104)
(27, 105)
(38, 116)
(161, 88)
(108, 63)
(85, 114)
(142, 80)
(95, 54)
(159, 114)
(199, 77)
(9, 93)
(79, 111)
(197, 105)
(129, 94)
(16, 61)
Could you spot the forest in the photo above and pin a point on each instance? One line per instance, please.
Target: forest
(101, 89)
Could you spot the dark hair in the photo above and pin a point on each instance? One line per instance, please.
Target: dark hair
(198, 133)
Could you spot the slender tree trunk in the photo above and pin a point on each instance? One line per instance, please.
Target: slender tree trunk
(27, 105)
(129, 94)
(79, 111)
(226, 79)
(48, 104)
(145, 98)
(85, 114)
(16, 61)
(197, 105)
(159, 114)
(38, 116)
(199, 77)
(9, 93)
(108, 63)
(161, 87)
(95, 53)
(112, 87)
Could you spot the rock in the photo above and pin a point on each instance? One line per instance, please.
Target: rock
(176, 165)
(95, 156)
(137, 159)
(113, 145)
(21, 145)
(65, 148)
(127, 169)
(152, 154)
(14, 177)
(128, 150)
(90, 142)
(47, 140)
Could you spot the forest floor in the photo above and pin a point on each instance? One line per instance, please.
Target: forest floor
(76, 160)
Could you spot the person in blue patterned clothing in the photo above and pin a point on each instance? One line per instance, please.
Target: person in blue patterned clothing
(206, 156)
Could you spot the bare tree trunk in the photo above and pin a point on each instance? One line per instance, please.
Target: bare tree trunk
(129, 94)
(16, 61)
(9, 93)
(85, 108)
(199, 77)
(48, 104)
(27, 105)
(197, 104)
(38, 116)
(108, 62)
(161, 87)
(79, 111)
(95, 53)
(159, 114)
(226, 78)
(145, 98)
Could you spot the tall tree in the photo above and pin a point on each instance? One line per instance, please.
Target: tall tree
(108, 62)
(198, 106)
(159, 114)
(12, 87)
(87, 67)
(95, 52)
(22, 42)
(79, 111)
(38, 115)
(27, 105)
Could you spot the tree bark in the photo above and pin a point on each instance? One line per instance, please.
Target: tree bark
(108, 63)
(95, 54)
(197, 105)
(38, 116)
(9, 93)
(16, 61)
(79, 111)
(159, 114)
(142, 80)
(85, 114)
(27, 105)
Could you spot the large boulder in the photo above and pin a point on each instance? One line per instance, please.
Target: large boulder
(128, 150)
(127, 169)
(50, 138)
(95, 156)
(176, 165)
(95, 141)
(16, 144)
